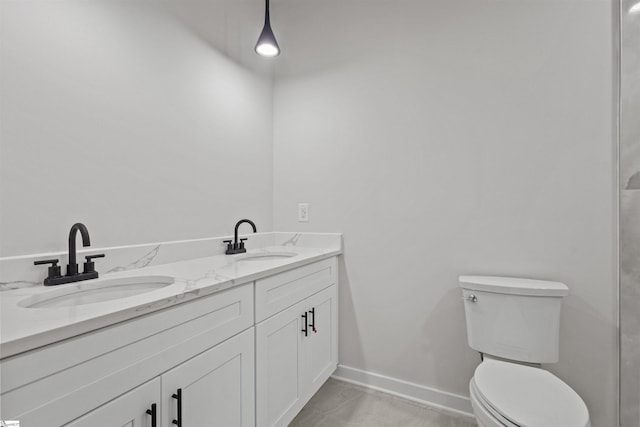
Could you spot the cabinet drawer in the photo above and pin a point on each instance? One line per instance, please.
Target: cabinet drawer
(129, 409)
(85, 371)
(275, 293)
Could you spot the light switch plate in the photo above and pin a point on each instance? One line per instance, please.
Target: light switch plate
(303, 212)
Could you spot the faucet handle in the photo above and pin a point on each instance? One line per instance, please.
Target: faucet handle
(53, 272)
(241, 244)
(89, 265)
(229, 244)
(54, 262)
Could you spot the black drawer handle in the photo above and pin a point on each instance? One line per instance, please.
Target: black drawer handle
(306, 329)
(154, 415)
(178, 396)
(313, 320)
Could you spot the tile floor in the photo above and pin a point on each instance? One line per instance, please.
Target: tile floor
(342, 404)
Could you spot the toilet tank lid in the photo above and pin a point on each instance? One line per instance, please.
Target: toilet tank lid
(513, 285)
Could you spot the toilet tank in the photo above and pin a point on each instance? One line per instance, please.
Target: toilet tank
(516, 319)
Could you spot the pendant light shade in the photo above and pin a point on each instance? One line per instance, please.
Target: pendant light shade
(267, 44)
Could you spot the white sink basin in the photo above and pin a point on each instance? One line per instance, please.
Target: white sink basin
(96, 291)
(266, 256)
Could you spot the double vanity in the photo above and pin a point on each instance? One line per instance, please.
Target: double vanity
(173, 337)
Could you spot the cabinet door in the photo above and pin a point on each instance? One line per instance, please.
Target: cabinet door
(279, 358)
(128, 410)
(322, 343)
(216, 387)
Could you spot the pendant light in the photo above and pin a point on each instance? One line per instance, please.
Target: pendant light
(267, 44)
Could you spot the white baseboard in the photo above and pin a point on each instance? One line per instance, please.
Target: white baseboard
(441, 400)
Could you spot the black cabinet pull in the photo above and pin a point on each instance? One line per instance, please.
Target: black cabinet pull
(305, 330)
(313, 320)
(178, 396)
(154, 415)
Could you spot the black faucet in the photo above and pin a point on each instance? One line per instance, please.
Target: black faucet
(72, 267)
(238, 247)
(55, 277)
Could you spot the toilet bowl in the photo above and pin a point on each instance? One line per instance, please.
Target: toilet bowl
(515, 323)
(507, 394)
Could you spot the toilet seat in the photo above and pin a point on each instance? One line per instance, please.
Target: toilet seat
(525, 396)
(486, 416)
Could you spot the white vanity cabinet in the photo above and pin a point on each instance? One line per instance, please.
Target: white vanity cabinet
(205, 347)
(296, 341)
(248, 356)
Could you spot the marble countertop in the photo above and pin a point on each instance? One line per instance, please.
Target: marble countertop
(24, 329)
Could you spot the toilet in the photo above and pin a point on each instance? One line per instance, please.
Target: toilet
(514, 323)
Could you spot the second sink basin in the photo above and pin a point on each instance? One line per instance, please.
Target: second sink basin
(266, 256)
(95, 291)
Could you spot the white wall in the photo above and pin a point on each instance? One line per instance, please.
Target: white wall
(122, 115)
(442, 138)
(446, 138)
